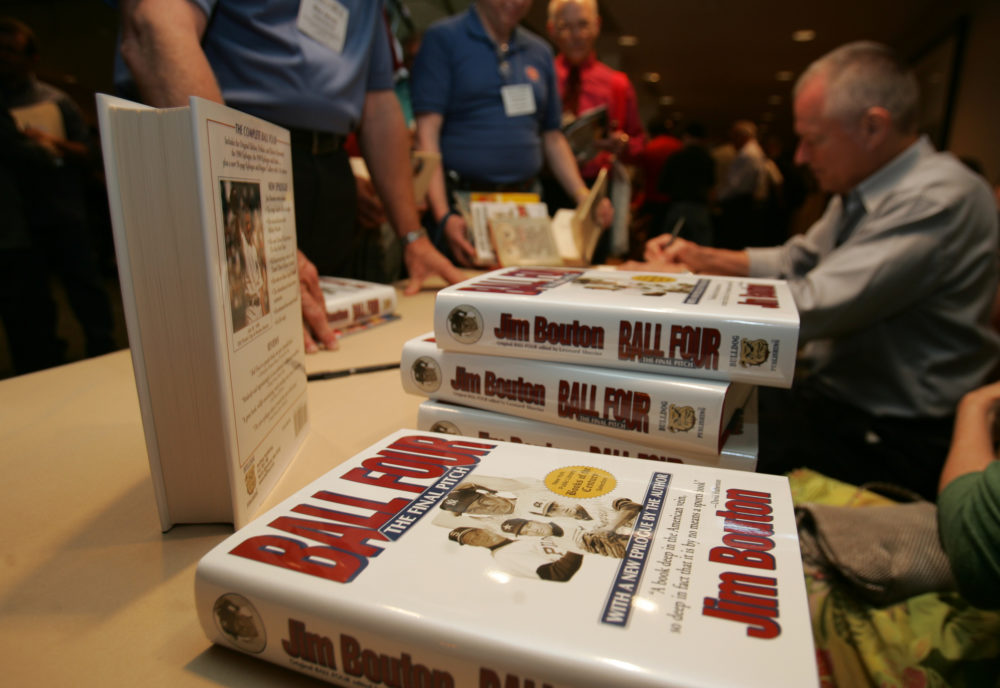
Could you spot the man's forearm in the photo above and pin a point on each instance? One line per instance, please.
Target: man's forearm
(718, 261)
(161, 45)
(972, 441)
(385, 143)
(563, 165)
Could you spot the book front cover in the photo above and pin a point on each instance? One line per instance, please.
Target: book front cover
(463, 562)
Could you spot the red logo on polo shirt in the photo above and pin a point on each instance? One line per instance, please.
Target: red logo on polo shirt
(532, 73)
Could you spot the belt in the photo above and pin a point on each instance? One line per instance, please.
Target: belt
(458, 183)
(317, 142)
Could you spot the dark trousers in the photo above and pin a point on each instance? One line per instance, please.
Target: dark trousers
(326, 210)
(28, 311)
(71, 256)
(62, 248)
(803, 427)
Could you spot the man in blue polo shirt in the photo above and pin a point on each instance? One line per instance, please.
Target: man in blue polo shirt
(322, 69)
(484, 94)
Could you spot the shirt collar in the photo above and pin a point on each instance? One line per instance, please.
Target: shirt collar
(587, 61)
(475, 28)
(872, 189)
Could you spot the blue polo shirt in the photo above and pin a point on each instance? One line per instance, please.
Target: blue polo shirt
(267, 67)
(457, 74)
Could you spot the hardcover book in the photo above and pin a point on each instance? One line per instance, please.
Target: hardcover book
(720, 328)
(483, 212)
(203, 217)
(443, 561)
(682, 414)
(519, 232)
(350, 301)
(585, 131)
(738, 453)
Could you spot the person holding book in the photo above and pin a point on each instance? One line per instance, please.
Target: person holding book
(321, 69)
(894, 283)
(586, 83)
(485, 97)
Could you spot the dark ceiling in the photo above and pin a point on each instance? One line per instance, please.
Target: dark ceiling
(717, 59)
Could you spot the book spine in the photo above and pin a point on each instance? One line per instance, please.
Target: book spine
(627, 334)
(436, 416)
(656, 410)
(248, 614)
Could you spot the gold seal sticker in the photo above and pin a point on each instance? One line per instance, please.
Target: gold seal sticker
(654, 278)
(580, 482)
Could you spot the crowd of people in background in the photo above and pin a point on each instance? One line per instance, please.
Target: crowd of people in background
(895, 281)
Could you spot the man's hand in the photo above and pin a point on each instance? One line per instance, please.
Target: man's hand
(371, 214)
(314, 324)
(665, 249)
(615, 143)
(422, 261)
(457, 235)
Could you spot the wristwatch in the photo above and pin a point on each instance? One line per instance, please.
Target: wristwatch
(410, 237)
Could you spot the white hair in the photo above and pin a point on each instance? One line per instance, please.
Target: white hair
(862, 75)
(556, 5)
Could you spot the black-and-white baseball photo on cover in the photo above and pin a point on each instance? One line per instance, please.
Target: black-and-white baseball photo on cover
(245, 256)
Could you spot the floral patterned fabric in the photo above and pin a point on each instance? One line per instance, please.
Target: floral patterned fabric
(935, 639)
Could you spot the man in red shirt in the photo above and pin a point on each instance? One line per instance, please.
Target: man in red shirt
(585, 83)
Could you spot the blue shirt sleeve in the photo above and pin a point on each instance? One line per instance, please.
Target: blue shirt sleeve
(430, 83)
(380, 71)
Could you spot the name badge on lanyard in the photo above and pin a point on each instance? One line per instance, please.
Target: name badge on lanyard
(324, 21)
(518, 99)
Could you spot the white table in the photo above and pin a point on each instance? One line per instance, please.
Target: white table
(91, 592)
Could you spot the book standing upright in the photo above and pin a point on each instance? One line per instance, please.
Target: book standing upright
(202, 210)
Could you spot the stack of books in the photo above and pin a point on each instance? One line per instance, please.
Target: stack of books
(635, 364)
(515, 228)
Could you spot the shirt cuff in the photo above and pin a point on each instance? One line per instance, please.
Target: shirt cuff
(764, 262)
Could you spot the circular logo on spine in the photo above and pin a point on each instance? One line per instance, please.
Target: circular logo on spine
(447, 427)
(426, 374)
(465, 324)
(239, 622)
(581, 482)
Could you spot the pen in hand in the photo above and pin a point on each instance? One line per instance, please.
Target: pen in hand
(674, 232)
(333, 374)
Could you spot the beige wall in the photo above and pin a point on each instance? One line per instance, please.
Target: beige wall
(975, 130)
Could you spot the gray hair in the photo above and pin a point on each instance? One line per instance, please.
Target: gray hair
(862, 75)
(555, 5)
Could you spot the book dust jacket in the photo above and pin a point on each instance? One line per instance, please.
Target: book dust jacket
(441, 560)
